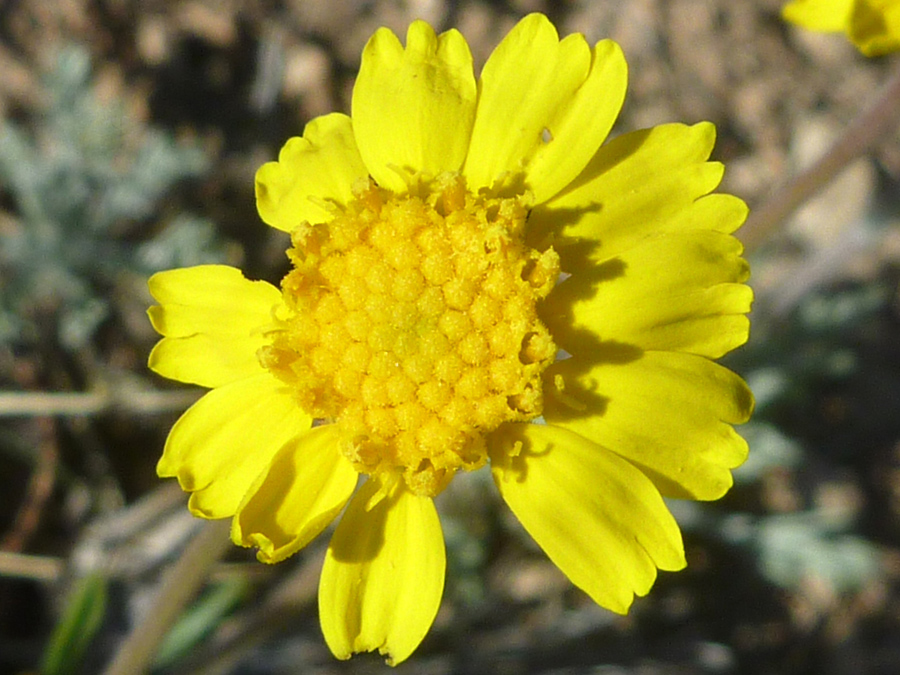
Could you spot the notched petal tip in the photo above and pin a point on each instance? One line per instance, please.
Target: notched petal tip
(295, 497)
(531, 25)
(153, 359)
(384, 44)
(198, 511)
(421, 38)
(166, 468)
(706, 131)
(267, 552)
(315, 169)
(156, 314)
(267, 186)
(383, 576)
(565, 88)
(413, 107)
(745, 401)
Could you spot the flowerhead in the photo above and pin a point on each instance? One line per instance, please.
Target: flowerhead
(872, 25)
(477, 280)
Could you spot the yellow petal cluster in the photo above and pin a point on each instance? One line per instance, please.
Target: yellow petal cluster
(872, 25)
(478, 276)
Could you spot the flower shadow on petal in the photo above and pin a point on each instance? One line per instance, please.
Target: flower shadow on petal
(546, 225)
(584, 282)
(259, 516)
(588, 349)
(514, 463)
(360, 534)
(552, 220)
(567, 398)
(509, 186)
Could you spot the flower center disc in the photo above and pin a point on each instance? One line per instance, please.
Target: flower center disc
(413, 326)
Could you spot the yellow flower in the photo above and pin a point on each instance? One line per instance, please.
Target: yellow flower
(475, 281)
(872, 25)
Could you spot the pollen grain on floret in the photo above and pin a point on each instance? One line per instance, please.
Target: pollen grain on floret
(413, 326)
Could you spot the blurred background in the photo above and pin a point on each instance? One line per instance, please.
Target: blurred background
(129, 136)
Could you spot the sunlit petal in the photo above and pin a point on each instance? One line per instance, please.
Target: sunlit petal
(413, 108)
(227, 438)
(212, 320)
(383, 577)
(599, 518)
(544, 107)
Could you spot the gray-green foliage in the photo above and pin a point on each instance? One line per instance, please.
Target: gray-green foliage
(798, 546)
(84, 179)
(817, 344)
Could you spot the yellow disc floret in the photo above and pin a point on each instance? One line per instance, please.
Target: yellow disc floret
(413, 326)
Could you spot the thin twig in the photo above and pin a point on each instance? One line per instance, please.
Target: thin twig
(140, 402)
(238, 636)
(40, 487)
(177, 587)
(859, 137)
(775, 303)
(141, 516)
(34, 567)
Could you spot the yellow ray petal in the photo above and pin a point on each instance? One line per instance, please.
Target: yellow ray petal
(227, 438)
(875, 26)
(383, 577)
(211, 318)
(214, 299)
(598, 518)
(310, 172)
(544, 107)
(204, 360)
(413, 107)
(300, 492)
(824, 15)
(642, 183)
(669, 413)
(676, 292)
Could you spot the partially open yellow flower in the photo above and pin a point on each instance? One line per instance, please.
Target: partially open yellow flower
(475, 281)
(872, 25)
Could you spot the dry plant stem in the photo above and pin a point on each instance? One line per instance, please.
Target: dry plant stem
(140, 516)
(177, 588)
(859, 137)
(236, 637)
(34, 567)
(41, 404)
(40, 487)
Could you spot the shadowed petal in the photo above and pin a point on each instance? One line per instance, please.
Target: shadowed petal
(227, 438)
(875, 26)
(303, 489)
